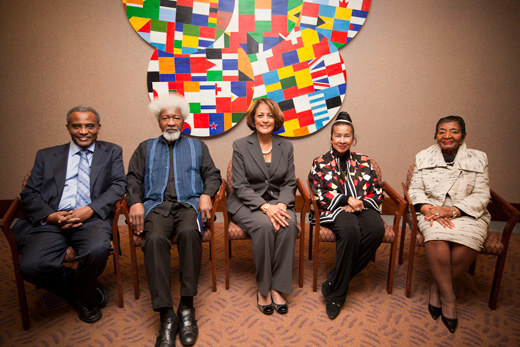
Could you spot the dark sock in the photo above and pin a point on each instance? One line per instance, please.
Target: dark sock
(186, 301)
(166, 312)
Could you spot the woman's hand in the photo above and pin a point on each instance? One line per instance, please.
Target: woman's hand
(355, 204)
(441, 214)
(277, 214)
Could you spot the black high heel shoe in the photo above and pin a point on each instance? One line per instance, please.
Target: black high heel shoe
(281, 309)
(265, 309)
(434, 311)
(450, 323)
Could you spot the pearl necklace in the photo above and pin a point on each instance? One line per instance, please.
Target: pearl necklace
(268, 151)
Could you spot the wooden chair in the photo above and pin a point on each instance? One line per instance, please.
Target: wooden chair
(137, 241)
(233, 232)
(394, 205)
(15, 211)
(495, 244)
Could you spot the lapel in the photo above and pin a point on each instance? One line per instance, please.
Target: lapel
(59, 166)
(276, 154)
(98, 159)
(256, 152)
(432, 159)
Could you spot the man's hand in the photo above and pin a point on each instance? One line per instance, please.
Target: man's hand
(137, 218)
(205, 206)
(63, 219)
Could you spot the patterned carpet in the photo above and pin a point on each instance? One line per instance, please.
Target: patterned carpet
(370, 316)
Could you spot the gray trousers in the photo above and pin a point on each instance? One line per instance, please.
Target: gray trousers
(159, 230)
(273, 252)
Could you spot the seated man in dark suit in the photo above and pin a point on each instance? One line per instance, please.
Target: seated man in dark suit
(171, 180)
(68, 201)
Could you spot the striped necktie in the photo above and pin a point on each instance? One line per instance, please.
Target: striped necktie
(83, 192)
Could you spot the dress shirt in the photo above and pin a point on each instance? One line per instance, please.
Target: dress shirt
(68, 198)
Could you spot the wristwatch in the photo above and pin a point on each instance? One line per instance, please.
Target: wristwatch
(454, 214)
(265, 207)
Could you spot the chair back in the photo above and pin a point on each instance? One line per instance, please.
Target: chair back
(377, 169)
(409, 175)
(229, 177)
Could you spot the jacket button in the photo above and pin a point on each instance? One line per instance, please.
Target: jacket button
(266, 181)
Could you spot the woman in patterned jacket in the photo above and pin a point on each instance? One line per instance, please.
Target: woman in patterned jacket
(349, 198)
(450, 190)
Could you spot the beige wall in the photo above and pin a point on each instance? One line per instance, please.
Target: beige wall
(412, 63)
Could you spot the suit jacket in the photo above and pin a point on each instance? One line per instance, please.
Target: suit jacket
(466, 183)
(252, 179)
(44, 188)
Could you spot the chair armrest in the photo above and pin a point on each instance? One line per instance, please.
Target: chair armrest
(5, 225)
(510, 211)
(399, 201)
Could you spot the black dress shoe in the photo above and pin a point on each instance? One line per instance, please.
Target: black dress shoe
(167, 333)
(281, 309)
(434, 311)
(101, 296)
(265, 309)
(332, 309)
(188, 330)
(450, 323)
(87, 313)
(326, 288)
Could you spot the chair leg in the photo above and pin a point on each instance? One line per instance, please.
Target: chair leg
(213, 265)
(227, 255)
(310, 241)
(401, 244)
(133, 260)
(472, 267)
(315, 269)
(497, 280)
(391, 266)
(302, 257)
(117, 269)
(409, 273)
(22, 300)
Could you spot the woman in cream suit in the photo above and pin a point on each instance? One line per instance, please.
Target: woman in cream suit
(262, 202)
(450, 189)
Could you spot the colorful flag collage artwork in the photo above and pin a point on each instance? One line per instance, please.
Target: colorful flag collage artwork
(223, 54)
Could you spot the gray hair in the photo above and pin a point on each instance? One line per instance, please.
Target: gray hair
(83, 109)
(170, 101)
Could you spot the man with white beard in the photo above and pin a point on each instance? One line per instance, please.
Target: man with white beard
(171, 180)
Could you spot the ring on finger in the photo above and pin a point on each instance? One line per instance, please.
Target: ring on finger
(436, 213)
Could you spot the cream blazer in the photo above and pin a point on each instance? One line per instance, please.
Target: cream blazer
(465, 184)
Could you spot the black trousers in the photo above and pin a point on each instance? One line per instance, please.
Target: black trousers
(45, 248)
(181, 222)
(357, 238)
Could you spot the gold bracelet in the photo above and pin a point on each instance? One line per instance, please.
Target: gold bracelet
(454, 214)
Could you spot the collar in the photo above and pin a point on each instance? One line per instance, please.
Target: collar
(74, 148)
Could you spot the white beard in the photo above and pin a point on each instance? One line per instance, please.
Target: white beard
(170, 137)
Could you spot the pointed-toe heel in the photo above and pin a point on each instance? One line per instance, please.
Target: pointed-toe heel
(450, 323)
(435, 311)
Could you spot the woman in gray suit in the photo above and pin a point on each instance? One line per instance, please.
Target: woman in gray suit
(450, 189)
(262, 202)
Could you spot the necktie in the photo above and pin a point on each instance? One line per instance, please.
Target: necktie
(83, 192)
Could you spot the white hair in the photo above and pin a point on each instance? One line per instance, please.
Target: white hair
(170, 101)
